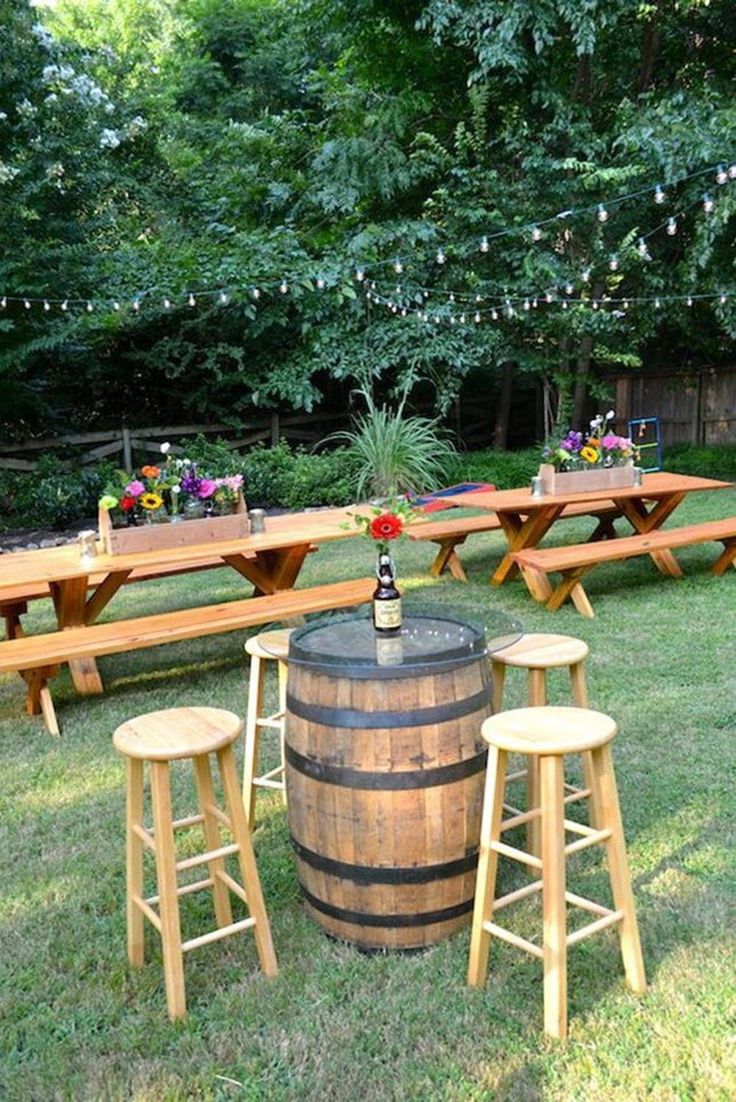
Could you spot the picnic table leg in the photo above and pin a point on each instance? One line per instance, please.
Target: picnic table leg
(571, 587)
(447, 558)
(70, 600)
(726, 558)
(645, 521)
(38, 693)
(522, 534)
(271, 571)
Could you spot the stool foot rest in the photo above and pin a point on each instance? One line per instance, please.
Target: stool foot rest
(208, 855)
(216, 935)
(517, 854)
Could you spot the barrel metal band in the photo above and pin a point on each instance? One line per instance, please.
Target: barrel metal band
(361, 918)
(397, 874)
(416, 717)
(347, 777)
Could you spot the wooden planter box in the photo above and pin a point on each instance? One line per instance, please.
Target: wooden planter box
(184, 533)
(597, 478)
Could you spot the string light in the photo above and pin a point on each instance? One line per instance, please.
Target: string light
(26, 303)
(191, 301)
(585, 275)
(167, 304)
(671, 226)
(3, 302)
(46, 305)
(657, 303)
(65, 305)
(613, 263)
(256, 292)
(536, 233)
(484, 245)
(732, 171)
(642, 249)
(476, 318)
(90, 307)
(222, 298)
(136, 305)
(398, 267)
(689, 300)
(441, 258)
(360, 275)
(116, 306)
(569, 288)
(659, 195)
(721, 175)
(283, 287)
(602, 215)
(708, 203)
(723, 298)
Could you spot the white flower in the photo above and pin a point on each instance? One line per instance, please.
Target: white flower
(165, 448)
(26, 109)
(51, 97)
(136, 126)
(109, 139)
(7, 173)
(44, 37)
(611, 413)
(176, 489)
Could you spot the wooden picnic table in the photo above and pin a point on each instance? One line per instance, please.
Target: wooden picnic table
(525, 520)
(82, 587)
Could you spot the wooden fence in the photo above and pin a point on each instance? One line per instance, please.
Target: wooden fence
(123, 443)
(697, 408)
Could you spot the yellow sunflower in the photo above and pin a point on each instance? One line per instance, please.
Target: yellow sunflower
(151, 501)
(590, 455)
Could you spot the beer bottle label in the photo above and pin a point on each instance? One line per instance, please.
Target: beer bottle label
(387, 614)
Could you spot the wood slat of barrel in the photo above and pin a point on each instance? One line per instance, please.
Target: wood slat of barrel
(384, 778)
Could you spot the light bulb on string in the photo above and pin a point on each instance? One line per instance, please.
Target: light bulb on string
(191, 300)
(398, 267)
(625, 304)
(723, 298)
(641, 248)
(479, 298)
(602, 214)
(167, 303)
(689, 300)
(585, 275)
(3, 302)
(256, 292)
(403, 311)
(452, 319)
(484, 245)
(613, 263)
(569, 288)
(476, 317)
(494, 314)
(136, 305)
(595, 304)
(536, 233)
(671, 226)
(116, 306)
(732, 171)
(452, 296)
(527, 304)
(535, 302)
(721, 175)
(46, 305)
(549, 297)
(657, 303)
(440, 258)
(462, 319)
(659, 194)
(283, 287)
(90, 307)
(564, 304)
(360, 275)
(708, 203)
(26, 303)
(65, 305)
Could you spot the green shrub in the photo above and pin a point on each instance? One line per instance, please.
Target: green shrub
(706, 460)
(506, 470)
(214, 457)
(55, 495)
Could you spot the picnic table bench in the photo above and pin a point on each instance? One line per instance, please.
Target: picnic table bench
(39, 656)
(452, 532)
(574, 561)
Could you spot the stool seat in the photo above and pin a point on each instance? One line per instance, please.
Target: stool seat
(543, 651)
(549, 731)
(177, 733)
(270, 644)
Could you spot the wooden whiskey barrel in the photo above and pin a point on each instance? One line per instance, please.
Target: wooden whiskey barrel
(384, 776)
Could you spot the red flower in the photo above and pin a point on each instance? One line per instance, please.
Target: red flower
(127, 503)
(387, 526)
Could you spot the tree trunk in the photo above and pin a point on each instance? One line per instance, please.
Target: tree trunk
(582, 370)
(649, 51)
(501, 427)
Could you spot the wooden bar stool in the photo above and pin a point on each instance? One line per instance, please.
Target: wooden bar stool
(536, 653)
(548, 734)
(160, 738)
(264, 647)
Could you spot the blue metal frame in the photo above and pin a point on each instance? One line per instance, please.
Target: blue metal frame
(639, 431)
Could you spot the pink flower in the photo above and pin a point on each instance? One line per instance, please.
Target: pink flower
(135, 488)
(610, 441)
(625, 443)
(207, 487)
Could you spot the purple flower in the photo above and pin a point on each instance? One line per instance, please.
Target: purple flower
(573, 442)
(135, 488)
(207, 487)
(190, 482)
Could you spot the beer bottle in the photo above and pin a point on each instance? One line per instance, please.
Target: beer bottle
(386, 598)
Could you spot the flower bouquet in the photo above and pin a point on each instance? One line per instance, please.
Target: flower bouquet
(596, 460)
(162, 496)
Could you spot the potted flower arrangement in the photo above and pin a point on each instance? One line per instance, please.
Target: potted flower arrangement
(164, 495)
(595, 460)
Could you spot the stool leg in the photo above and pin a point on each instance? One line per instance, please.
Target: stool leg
(213, 840)
(246, 857)
(498, 675)
(579, 688)
(134, 859)
(283, 675)
(623, 897)
(485, 885)
(553, 896)
(252, 736)
(168, 898)
(537, 698)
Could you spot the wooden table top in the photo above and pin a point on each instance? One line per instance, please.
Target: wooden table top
(655, 484)
(55, 564)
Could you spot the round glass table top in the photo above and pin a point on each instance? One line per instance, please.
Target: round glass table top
(431, 634)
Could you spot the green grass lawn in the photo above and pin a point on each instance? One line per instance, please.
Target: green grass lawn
(76, 1023)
